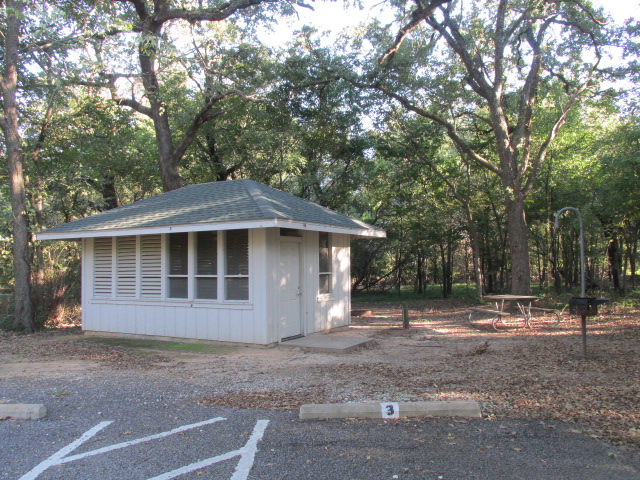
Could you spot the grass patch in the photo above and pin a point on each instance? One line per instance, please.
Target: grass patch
(432, 292)
(161, 345)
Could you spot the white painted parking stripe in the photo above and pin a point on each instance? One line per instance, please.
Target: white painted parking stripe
(247, 452)
(60, 454)
(196, 466)
(247, 456)
(130, 443)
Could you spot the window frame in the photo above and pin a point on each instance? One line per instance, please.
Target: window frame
(178, 276)
(236, 276)
(325, 273)
(210, 276)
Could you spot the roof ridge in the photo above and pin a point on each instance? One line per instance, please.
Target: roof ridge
(257, 196)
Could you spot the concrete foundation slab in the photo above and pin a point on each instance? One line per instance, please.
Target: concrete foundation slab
(328, 343)
(23, 411)
(445, 408)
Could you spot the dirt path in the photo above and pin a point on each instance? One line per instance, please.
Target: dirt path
(515, 372)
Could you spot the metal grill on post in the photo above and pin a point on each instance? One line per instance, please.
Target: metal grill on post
(583, 305)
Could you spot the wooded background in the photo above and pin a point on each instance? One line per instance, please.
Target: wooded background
(459, 127)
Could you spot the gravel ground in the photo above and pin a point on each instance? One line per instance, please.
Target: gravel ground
(516, 373)
(142, 404)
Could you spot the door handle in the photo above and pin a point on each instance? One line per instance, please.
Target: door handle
(298, 292)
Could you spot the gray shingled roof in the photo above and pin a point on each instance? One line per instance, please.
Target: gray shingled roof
(211, 203)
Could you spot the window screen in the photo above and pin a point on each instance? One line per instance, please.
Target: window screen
(324, 263)
(178, 265)
(207, 265)
(237, 265)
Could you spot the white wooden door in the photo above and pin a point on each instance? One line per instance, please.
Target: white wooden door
(290, 290)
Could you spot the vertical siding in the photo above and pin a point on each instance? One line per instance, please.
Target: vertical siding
(170, 322)
(310, 281)
(235, 326)
(256, 325)
(331, 311)
(269, 328)
(200, 324)
(180, 322)
(225, 327)
(86, 282)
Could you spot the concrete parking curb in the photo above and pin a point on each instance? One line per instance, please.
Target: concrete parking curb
(23, 411)
(444, 408)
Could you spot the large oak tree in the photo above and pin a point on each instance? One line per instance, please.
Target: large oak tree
(176, 127)
(490, 65)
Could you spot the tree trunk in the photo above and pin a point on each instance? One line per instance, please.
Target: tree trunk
(419, 287)
(23, 307)
(615, 261)
(171, 179)
(632, 261)
(518, 247)
(445, 271)
(108, 190)
(474, 238)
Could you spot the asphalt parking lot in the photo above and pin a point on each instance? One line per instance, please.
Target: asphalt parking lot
(144, 428)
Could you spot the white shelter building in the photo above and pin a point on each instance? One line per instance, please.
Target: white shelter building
(233, 261)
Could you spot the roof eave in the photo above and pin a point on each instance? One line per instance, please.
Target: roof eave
(363, 231)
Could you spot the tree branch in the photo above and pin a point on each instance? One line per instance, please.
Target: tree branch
(203, 116)
(217, 14)
(451, 130)
(562, 118)
(71, 39)
(451, 32)
(140, 7)
(417, 16)
(44, 126)
(528, 98)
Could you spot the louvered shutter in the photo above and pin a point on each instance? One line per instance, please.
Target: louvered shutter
(126, 266)
(150, 266)
(102, 267)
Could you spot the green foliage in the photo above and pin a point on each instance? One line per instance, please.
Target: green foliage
(461, 292)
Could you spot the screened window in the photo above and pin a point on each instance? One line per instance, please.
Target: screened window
(324, 263)
(207, 265)
(237, 265)
(198, 266)
(178, 265)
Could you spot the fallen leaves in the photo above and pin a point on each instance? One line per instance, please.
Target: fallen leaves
(266, 400)
(517, 372)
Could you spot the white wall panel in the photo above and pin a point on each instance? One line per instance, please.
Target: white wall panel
(169, 322)
(180, 323)
(224, 326)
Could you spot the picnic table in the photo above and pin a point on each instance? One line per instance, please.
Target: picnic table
(502, 303)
